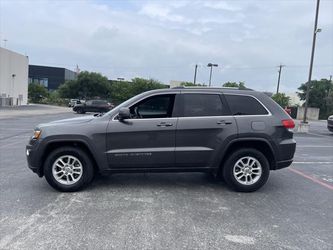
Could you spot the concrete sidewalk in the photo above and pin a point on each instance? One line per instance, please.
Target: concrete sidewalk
(31, 110)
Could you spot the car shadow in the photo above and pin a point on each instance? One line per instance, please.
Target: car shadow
(157, 181)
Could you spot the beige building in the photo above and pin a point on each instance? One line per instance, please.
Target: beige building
(13, 78)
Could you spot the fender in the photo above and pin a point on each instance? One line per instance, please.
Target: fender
(225, 147)
(97, 156)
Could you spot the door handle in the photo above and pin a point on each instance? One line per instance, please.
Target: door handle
(224, 122)
(164, 124)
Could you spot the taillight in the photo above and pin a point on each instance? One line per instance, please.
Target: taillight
(289, 123)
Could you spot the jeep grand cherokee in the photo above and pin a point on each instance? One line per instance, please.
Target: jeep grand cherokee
(239, 135)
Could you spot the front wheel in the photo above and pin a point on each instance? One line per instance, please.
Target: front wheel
(80, 111)
(246, 170)
(68, 169)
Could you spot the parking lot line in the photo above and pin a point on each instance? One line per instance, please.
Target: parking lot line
(313, 162)
(310, 133)
(311, 178)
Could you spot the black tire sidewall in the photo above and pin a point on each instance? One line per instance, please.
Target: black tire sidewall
(87, 174)
(229, 165)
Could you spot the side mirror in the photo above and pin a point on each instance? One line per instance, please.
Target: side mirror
(124, 113)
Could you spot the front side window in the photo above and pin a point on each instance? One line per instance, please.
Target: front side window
(202, 105)
(153, 107)
(245, 105)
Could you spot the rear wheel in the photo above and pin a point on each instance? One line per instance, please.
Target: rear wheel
(68, 169)
(246, 170)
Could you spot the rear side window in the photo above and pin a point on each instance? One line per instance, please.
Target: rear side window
(202, 105)
(245, 105)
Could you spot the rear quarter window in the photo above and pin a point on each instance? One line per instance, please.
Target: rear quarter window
(245, 105)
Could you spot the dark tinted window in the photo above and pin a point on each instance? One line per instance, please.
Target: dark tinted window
(100, 102)
(202, 105)
(245, 105)
(153, 107)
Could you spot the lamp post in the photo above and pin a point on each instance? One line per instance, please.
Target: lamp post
(211, 65)
(315, 31)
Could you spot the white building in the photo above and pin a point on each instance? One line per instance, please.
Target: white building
(13, 78)
(294, 99)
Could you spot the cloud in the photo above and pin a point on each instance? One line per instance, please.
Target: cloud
(165, 39)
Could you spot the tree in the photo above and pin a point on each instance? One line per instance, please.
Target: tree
(121, 91)
(320, 96)
(87, 85)
(281, 99)
(36, 92)
(240, 85)
(191, 84)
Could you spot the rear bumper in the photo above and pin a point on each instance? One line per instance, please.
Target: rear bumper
(283, 164)
(286, 151)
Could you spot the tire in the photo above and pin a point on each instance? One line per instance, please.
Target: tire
(80, 111)
(75, 176)
(247, 164)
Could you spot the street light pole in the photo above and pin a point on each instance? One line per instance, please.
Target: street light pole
(195, 73)
(211, 65)
(315, 31)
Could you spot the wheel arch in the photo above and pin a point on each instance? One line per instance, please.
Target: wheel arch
(52, 145)
(259, 144)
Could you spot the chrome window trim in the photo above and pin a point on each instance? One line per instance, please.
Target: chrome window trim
(147, 96)
(200, 117)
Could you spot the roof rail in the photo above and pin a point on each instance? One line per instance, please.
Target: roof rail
(206, 87)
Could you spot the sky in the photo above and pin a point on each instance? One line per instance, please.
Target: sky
(164, 40)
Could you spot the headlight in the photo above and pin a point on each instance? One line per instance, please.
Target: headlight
(330, 117)
(37, 133)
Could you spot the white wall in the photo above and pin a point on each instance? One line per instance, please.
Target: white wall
(12, 63)
(312, 113)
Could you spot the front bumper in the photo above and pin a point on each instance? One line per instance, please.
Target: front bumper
(34, 157)
(330, 125)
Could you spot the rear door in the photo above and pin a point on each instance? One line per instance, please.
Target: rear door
(147, 140)
(204, 124)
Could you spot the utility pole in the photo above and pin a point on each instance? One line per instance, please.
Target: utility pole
(315, 31)
(195, 73)
(278, 84)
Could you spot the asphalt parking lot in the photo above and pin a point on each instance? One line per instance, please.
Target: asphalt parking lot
(166, 211)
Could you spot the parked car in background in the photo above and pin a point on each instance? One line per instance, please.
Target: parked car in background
(72, 102)
(101, 106)
(330, 123)
(239, 135)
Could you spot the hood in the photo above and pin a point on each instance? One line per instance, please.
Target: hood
(77, 120)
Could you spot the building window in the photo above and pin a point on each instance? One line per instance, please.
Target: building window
(44, 82)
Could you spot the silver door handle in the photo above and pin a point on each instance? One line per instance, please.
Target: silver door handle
(164, 124)
(223, 122)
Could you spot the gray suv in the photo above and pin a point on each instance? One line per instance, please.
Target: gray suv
(238, 135)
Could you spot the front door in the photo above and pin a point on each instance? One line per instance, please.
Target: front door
(147, 139)
(203, 125)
